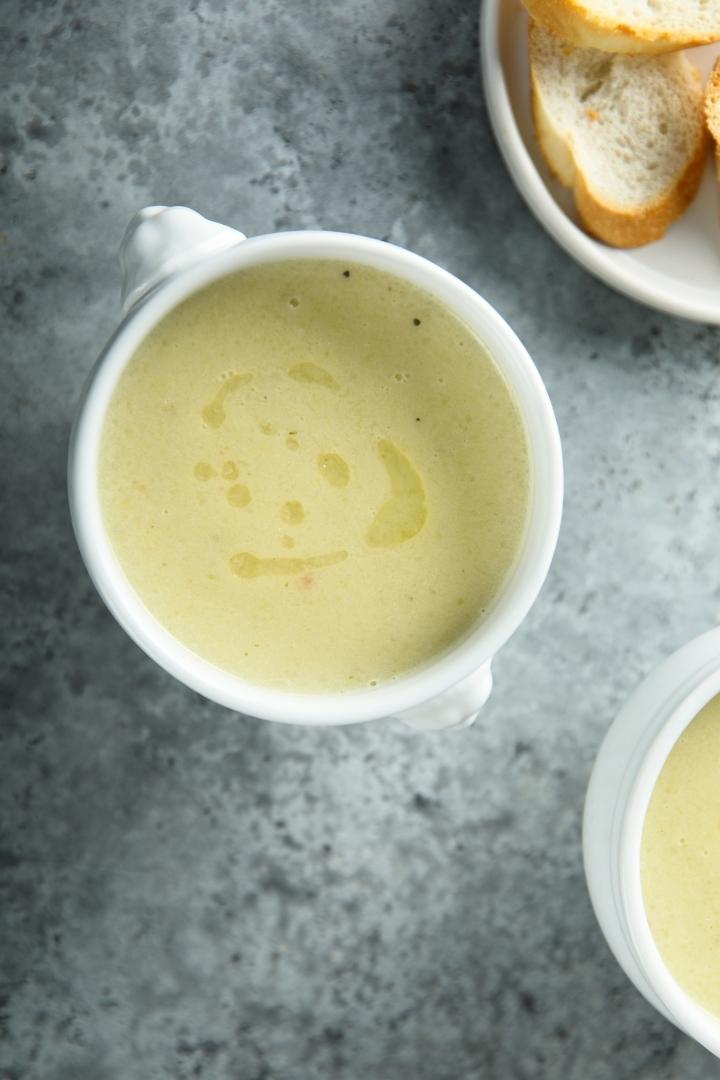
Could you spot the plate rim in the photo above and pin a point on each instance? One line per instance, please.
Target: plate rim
(591, 254)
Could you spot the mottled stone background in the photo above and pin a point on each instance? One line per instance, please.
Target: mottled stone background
(189, 893)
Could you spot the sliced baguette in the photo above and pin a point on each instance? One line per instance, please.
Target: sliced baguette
(627, 134)
(712, 110)
(630, 26)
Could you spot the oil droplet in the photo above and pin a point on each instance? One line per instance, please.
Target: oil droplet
(287, 542)
(203, 471)
(238, 495)
(246, 565)
(267, 429)
(312, 373)
(229, 471)
(403, 515)
(292, 443)
(214, 412)
(294, 302)
(334, 469)
(292, 512)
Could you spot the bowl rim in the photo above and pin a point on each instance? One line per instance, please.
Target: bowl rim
(683, 706)
(321, 709)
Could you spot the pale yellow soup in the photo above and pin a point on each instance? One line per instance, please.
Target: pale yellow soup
(314, 475)
(680, 860)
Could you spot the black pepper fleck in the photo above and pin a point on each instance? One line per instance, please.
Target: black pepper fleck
(416, 322)
(346, 273)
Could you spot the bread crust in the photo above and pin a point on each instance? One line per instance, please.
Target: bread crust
(572, 21)
(712, 111)
(616, 225)
(624, 229)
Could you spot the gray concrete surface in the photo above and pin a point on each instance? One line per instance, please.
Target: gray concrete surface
(189, 893)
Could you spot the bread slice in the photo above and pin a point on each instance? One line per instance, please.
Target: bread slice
(630, 26)
(626, 133)
(712, 110)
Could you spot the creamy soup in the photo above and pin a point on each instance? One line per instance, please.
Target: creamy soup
(681, 859)
(314, 475)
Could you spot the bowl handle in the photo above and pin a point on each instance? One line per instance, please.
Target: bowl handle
(160, 240)
(455, 708)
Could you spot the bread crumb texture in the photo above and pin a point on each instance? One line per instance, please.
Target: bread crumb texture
(626, 133)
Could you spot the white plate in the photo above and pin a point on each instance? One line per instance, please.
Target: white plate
(679, 274)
